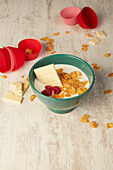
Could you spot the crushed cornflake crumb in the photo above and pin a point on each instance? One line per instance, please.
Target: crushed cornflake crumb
(28, 51)
(107, 91)
(94, 64)
(49, 48)
(84, 118)
(89, 35)
(110, 75)
(44, 39)
(32, 97)
(93, 124)
(109, 125)
(84, 49)
(66, 32)
(53, 52)
(56, 34)
(107, 55)
(96, 67)
(84, 45)
(22, 76)
(3, 76)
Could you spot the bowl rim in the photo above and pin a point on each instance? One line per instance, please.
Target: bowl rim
(71, 17)
(70, 98)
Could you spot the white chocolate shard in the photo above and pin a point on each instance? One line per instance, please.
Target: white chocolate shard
(48, 75)
(94, 41)
(100, 34)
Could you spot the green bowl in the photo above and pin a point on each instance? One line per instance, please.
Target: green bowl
(68, 104)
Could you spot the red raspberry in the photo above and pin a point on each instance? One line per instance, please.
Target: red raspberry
(44, 92)
(48, 87)
(56, 90)
(47, 92)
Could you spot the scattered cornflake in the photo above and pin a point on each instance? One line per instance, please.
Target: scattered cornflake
(84, 120)
(86, 116)
(85, 61)
(32, 97)
(66, 32)
(44, 39)
(52, 45)
(107, 55)
(110, 75)
(84, 49)
(109, 125)
(53, 52)
(94, 64)
(56, 34)
(84, 45)
(89, 35)
(3, 76)
(93, 124)
(107, 91)
(49, 48)
(51, 40)
(49, 43)
(96, 67)
(22, 76)
(28, 51)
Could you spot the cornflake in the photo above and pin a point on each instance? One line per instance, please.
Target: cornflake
(84, 45)
(107, 55)
(28, 51)
(32, 97)
(93, 124)
(89, 35)
(53, 52)
(49, 48)
(84, 119)
(56, 34)
(109, 125)
(44, 39)
(84, 49)
(96, 67)
(110, 75)
(22, 76)
(66, 32)
(107, 91)
(68, 95)
(3, 76)
(93, 64)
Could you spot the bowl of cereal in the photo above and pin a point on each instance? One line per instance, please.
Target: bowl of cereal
(61, 81)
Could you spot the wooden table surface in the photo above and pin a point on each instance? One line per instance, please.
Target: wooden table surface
(31, 136)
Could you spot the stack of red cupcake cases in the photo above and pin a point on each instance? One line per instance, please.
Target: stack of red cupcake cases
(12, 58)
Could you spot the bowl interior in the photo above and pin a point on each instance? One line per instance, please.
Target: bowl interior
(89, 17)
(70, 12)
(63, 59)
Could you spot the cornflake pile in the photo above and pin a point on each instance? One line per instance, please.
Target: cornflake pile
(71, 85)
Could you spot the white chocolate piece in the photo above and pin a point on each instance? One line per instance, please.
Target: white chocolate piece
(100, 34)
(9, 95)
(94, 41)
(48, 75)
(17, 99)
(25, 85)
(15, 84)
(18, 88)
